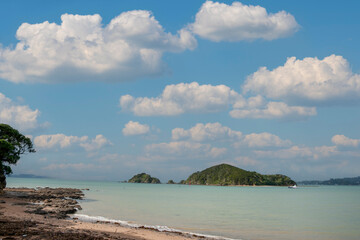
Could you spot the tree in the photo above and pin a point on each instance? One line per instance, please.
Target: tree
(12, 145)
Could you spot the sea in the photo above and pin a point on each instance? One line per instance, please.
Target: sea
(308, 212)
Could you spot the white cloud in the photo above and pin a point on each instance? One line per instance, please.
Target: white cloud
(236, 22)
(81, 49)
(181, 98)
(203, 132)
(217, 152)
(325, 151)
(196, 98)
(342, 140)
(216, 132)
(21, 117)
(63, 141)
(300, 85)
(274, 110)
(263, 140)
(57, 140)
(296, 152)
(310, 81)
(95, 144)
(135, 128)
(183, 149)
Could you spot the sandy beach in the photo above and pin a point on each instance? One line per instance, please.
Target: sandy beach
(44, 214)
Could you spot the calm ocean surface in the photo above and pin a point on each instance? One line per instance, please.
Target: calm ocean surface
(325, 212)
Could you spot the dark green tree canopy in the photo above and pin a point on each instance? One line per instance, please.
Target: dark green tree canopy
(225, 174)
(12, 145)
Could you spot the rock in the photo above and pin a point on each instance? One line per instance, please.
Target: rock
(51, 202)
(39, 211)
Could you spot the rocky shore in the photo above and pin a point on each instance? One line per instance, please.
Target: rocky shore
(49, 202)
(43, 213)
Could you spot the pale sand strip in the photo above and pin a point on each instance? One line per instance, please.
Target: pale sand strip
(141, 233)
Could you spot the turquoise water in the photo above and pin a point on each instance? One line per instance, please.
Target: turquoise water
(325, 212)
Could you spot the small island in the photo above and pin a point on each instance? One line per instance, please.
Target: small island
(225, 175)
(144, 178)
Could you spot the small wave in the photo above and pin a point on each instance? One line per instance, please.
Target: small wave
(99, 219)
(87, 200)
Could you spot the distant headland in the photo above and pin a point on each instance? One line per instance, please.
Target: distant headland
(26, 176)
(334, 181)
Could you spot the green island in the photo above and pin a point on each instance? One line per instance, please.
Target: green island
(227, 175)
(143, 178)
(170, 182)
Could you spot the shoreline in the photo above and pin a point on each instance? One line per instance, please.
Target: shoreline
(43, 213)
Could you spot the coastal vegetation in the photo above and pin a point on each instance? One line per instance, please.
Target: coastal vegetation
(143, 178)
(225, 174)
(334, 181)
(170, 182)
(12, 145)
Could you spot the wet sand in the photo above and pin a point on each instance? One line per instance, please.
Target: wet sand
(44, 214)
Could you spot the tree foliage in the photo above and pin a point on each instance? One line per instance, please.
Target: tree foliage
(225, 174)
(143, 178)
(12, 145)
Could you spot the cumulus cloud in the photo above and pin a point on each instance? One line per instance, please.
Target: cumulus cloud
(274, 110)
(203, 132)
(181, 98)
(221, 22)
(195, 98)
(57, 140)
(62, 141)
(135, 128)
(184, 149)
(311, 80)
(263, 140)
(298, 152)
(342, 140)
(21, 117)
(82, 49)
(216, 132)
(297, 87)
(217, 152)
(95, 144)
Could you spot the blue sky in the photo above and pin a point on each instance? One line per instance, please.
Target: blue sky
(172, 87)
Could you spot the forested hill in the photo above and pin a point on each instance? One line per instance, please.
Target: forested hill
(143, 178)
(225, 174)
(332, 181)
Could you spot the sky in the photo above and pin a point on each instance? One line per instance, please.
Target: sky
(109, 90)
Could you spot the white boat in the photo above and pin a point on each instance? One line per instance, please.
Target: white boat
(293, 186)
